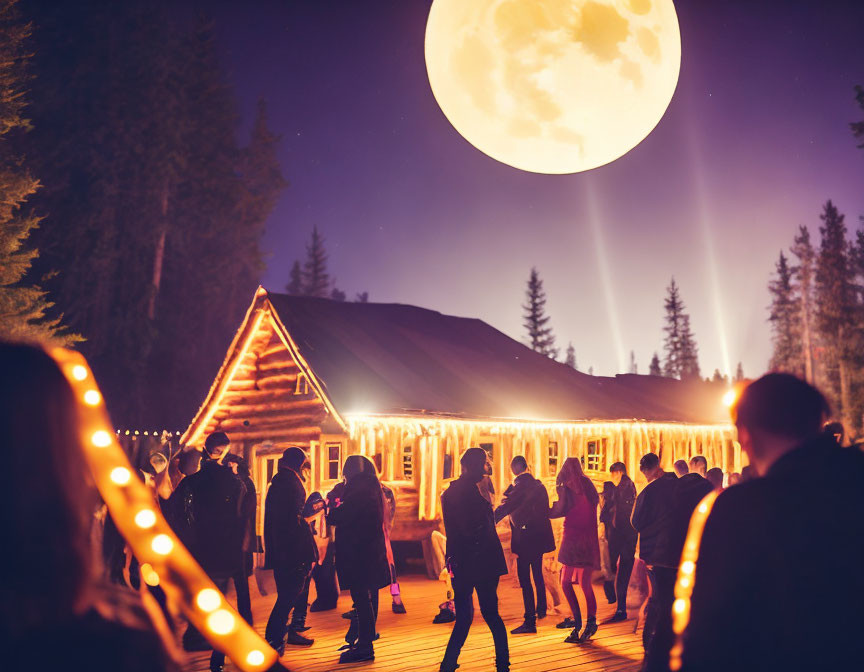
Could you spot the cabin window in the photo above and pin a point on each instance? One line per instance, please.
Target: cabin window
(407, 462)
(488, 447)
(302, 384)
(333, 462)
(595, 455)
(552, 453)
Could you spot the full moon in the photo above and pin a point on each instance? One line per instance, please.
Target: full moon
(553, 86)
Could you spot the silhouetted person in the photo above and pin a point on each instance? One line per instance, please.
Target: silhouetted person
(662, 516)
(699, 465)
(836, 430)
(396, 604)
(55, 614)
(681, 468)
(476, 559)
(212, 520)
(715, 477)
(580, 546)
(621, 537)
(361, 551)
(775, 549)
(289, 546)
(250, 538)
(734, 478)
(324, 574)
(527, 503)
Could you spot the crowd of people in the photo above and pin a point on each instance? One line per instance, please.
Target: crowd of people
(780, 551)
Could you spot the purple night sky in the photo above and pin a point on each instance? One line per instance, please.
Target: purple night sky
(755, 140)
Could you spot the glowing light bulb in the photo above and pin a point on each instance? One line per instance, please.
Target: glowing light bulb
(151, 578)
(120, 475)
(101, 439)
(255, 657)
(729, 398)
(208, 600)
(162, 544)
(688, 567)
(702, 508)
(221, 622)
(92, 398)
(684, 582)
(145, 518)
(79, 372)
(679, 606)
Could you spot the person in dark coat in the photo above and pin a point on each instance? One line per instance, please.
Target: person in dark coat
(250, 538)
(580, 545)
(622, 537)
(361, 551)
(208, 509)
(324, 574)
(527, 503)
(775, 549)
(662, 516)
(289, 547)
(475, 558)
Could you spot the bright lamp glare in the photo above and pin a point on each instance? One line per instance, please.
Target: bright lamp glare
(729, 398)
(79, 372)
(92, 397)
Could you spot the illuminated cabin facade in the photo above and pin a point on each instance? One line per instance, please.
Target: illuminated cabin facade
(412, 389)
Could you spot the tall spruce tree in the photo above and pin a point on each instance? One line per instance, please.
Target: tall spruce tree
(835, 309)
(570, 358)
(784, 315)
(295, 282)
(24, 307)
(634, 367)
(682, 355)
(739, 373)
(858, 126)
(803, 282)
(654, 368)
(316, 280)
(536, 322)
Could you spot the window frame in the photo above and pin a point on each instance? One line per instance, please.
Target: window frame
(603, 443)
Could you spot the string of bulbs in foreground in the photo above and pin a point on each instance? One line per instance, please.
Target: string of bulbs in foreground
(164, 560)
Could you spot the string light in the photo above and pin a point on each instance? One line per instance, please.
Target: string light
(208, 600)
(145, 519)
(162, 544)
(101, 439)
(165, 562)
(221, 621)
(120, 476)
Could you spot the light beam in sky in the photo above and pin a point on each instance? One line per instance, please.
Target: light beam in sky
(596, 223)
(704, 216)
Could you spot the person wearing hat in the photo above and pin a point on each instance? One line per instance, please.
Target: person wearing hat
(210, 517)
(289, 547)
(476, 559)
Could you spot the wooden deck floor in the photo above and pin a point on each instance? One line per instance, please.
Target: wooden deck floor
(412, 642)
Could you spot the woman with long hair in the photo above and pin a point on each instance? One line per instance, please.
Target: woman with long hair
(361, 551)
(50, 594)
(580, 547)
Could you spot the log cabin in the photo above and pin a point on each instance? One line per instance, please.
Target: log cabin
(412, 389)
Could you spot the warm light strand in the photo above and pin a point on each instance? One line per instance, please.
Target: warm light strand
(164, 560)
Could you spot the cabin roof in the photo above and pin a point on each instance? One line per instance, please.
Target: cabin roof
(394, 359)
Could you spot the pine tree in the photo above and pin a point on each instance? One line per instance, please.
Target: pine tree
(634, 367)
(337, 294)
(361, 297)
(570, 359)
(739, 373)
(682, 359)
(785, 321)
(654, 368)
(835, 308)
(295, 284)
(590, 370)
(803, 250)
(535, 320)
(858, 126)
(316, 280)
(23, 306)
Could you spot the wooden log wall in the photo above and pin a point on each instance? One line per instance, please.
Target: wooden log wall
(266, 402)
